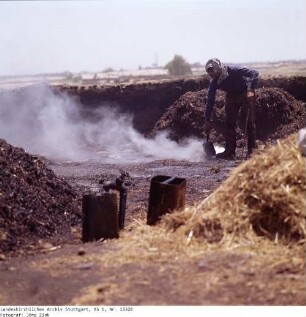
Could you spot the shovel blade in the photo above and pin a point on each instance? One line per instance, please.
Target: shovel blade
(209, 149)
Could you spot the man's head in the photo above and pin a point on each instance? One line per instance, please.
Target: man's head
(214, 68)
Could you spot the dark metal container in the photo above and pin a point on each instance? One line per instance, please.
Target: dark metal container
(100, 217)
(166, 194)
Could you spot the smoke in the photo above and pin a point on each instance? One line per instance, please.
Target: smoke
(54, 125)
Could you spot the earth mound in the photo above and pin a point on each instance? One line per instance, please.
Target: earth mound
(34, 203)
(278, 115)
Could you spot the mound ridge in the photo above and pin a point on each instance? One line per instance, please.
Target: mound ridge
(34, 202)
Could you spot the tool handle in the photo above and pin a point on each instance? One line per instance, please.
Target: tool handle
(207, 136)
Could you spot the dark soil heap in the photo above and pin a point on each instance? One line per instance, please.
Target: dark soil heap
(278, 115)
(34, 202)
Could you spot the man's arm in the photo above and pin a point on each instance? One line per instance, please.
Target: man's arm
(212, 88)
(250, 76)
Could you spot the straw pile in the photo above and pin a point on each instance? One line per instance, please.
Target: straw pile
(265, 196)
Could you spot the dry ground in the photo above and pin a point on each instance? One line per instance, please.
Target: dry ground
(149, 265)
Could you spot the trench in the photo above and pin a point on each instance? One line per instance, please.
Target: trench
(147, 102)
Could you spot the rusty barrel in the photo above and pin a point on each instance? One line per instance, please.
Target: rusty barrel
(100, 217)
(166, 194)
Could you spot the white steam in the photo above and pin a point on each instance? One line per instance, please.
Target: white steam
(53, 125)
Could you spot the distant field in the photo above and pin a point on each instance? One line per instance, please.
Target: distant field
(281, 68)
(286, 68)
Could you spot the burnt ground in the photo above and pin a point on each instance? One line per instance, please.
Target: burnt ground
(92, 273)
(53, 267)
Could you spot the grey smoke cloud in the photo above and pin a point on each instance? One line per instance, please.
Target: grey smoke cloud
(51, 124)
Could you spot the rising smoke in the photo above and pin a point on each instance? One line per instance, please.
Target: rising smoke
(52, 124)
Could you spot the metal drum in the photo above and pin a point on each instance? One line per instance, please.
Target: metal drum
(166, 194)
(100, 217)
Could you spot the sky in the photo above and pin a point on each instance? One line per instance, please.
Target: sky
(56, 36)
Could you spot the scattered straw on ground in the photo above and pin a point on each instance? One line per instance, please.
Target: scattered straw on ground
(227, 247)
(265, 195)
(236, 231)
(150, 256)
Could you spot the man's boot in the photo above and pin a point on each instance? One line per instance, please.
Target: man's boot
(230, 147)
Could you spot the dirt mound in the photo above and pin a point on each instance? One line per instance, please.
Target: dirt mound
(278, 115)
(264, 196)
(34, 202)
(294, 85)
(145, 101)
(185, 117)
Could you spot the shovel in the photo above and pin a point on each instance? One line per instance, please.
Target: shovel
(208, 147)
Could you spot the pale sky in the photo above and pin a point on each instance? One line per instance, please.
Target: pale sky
(55, 36)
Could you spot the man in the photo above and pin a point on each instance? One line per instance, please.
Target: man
(239, 83)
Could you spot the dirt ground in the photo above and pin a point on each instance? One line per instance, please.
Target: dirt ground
(147, 265)
(93, 274)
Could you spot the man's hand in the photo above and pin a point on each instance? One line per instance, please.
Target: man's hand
(251, 96)
(208, 125)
